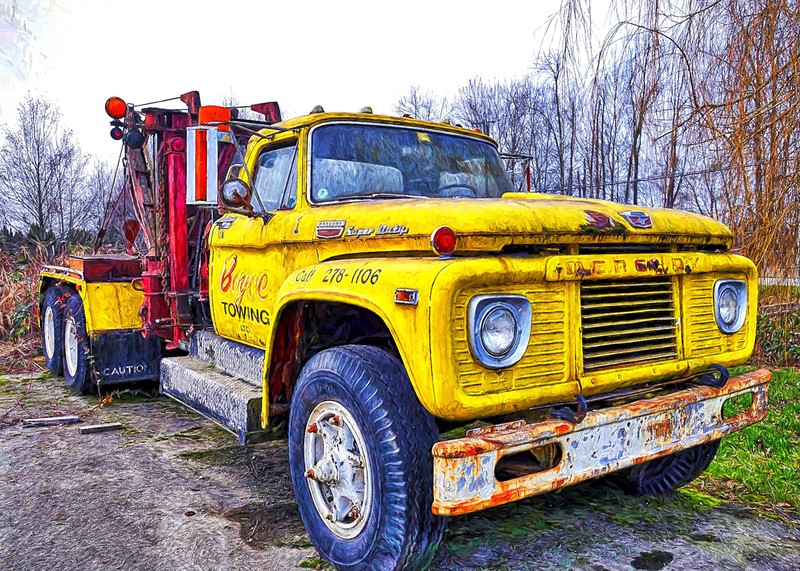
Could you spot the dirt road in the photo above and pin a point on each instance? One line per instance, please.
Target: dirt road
(172, 491)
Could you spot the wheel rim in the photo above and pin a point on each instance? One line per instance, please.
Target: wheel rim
(49, 332)
(71, 346)
(337, 469)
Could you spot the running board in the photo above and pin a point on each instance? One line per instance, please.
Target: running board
(219, 379)
(234, 358)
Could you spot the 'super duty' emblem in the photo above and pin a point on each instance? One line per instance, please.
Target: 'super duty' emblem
(638, 219)
(330, 228)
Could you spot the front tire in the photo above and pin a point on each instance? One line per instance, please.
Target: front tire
(76, 346)
(52, 329)
(360, 457)
(668, 473)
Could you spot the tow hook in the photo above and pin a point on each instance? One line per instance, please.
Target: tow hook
(716, 377)
(575, 417)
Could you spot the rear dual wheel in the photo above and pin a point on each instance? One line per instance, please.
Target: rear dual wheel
(52, 329)
(65, 345)
(76, 346)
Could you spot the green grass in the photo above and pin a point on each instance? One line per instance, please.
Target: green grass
(762, 462)
(315, 563)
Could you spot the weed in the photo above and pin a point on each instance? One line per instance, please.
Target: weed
(314, 563)
(19, 304)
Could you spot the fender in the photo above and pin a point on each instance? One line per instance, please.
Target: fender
(108, 306)
(371, 284)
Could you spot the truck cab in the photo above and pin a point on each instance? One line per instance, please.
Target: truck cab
(435, 341)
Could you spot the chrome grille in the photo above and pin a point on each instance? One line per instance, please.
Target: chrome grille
(627, 322)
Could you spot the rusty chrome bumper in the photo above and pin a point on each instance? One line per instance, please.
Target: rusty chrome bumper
(607, 440)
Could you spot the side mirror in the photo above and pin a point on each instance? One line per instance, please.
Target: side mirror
(235, 193)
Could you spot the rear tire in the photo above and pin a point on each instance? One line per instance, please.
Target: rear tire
(76, 346)
(356, 425)
(52, 329)
(668, 473)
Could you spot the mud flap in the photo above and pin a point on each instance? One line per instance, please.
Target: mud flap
(125, 356)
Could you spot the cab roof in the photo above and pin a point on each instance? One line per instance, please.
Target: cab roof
(308, 121)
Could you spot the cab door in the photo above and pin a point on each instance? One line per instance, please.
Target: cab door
(248, 258)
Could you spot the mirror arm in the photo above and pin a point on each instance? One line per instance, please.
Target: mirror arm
(247, 172)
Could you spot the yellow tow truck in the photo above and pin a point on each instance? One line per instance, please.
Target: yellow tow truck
(377, 284)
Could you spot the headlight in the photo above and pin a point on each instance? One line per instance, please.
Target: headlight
(730, 304)
(499, 329)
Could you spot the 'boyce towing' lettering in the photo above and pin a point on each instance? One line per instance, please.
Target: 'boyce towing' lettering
(246, 312)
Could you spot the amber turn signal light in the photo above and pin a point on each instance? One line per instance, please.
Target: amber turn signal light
(406, 296)
(116, 108)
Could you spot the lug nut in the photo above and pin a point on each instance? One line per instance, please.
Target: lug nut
(336, 420)
(353, 513)
(312, 428)
(329, 517)
(310, 473)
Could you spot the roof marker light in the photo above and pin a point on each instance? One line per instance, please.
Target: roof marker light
(116, 108)
(443, 241)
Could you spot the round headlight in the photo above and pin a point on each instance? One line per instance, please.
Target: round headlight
(728, 306)
(498, 331)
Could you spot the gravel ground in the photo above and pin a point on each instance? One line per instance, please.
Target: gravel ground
(172, 491)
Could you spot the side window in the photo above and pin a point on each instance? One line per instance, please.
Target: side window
(276, 177)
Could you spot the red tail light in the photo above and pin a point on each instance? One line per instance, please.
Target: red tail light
(443, 241)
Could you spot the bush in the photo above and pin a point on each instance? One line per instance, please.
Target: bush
(778, 327)
(19, 304)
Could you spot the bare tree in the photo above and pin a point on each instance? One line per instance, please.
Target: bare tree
(684, 104)
(110, 207)
(245, 113)
(27, 176)
(43, 177)
(423, 105)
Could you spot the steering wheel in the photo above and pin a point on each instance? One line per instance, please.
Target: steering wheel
(443, 190)
(419, 186)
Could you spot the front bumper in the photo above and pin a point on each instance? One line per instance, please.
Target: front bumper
(607, 440)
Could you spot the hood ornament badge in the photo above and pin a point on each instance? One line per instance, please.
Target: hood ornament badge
(638, 219)
(598, 220)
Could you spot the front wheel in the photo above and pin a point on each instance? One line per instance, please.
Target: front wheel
(666, 474)
(360, 457)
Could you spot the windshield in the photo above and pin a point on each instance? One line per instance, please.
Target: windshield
(351, 161)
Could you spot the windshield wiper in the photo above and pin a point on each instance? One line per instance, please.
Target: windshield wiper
(389, 195)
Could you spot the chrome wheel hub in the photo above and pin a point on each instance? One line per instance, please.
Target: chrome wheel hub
(49, 333)
(337, 469)
(71, 345)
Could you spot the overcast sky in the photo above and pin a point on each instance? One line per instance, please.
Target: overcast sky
(342, 55)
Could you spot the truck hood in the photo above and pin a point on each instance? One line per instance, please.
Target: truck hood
(516, 219)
